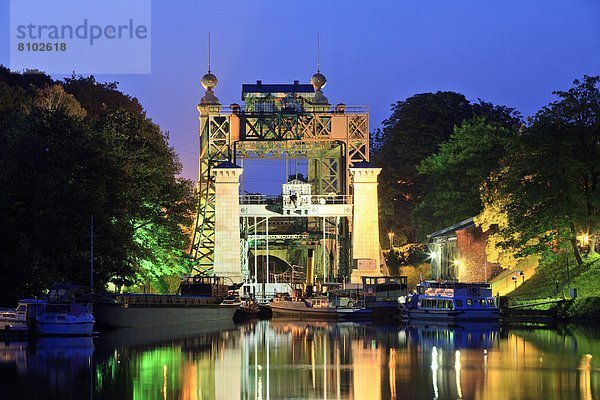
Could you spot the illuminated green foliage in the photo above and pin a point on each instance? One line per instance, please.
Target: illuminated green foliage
(75, 149)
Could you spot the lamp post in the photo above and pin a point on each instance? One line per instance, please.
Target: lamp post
(514, 278)
(391, 238)
(585, 240)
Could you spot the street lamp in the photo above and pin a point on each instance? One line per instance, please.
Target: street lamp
(514, 278)
(522, 276)
(391, 237)
(585, 239)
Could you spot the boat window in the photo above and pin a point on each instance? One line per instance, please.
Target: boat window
(451, 304)
(492, 302)
(50, 317)
(61, 317)
(21, 308)
(482, 302)
(459, 303)
(469, 302)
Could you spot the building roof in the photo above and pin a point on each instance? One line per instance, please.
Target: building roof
(449, 230)
(259, 87)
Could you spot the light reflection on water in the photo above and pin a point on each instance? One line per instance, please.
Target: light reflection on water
(282, 359)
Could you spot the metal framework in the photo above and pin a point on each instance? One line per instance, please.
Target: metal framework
(332, 140)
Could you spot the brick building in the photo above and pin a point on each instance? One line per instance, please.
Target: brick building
(458, 252)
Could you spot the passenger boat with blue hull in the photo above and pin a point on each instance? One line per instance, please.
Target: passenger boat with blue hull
(454, 301)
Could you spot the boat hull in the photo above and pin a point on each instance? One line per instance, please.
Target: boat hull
(66, 329)
(300, 310)
(115, 315)
(383, 309)
(475, 315)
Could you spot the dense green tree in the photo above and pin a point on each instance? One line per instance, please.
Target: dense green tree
(98, 98)
(60, 165)
(548, 185)
(455, 173)
(414, 131)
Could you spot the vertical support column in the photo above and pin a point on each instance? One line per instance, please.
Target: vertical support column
(365, 222)
(255, 257)
(227, 221)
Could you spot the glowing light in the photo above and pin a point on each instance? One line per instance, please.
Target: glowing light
(457, 366)
(433, 255)
(434, 371)
(456, 262)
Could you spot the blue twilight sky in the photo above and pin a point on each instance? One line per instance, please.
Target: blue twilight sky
(374, 53)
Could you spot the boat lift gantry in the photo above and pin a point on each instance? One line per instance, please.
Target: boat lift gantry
(286, 121)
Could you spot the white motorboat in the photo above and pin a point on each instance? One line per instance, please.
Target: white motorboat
(59, 314)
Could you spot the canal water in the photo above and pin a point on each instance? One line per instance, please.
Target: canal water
(282, 359)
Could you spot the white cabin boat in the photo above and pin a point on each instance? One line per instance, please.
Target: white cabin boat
(454, 301)
(59, 314)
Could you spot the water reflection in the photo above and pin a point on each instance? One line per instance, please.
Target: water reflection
(310, 360)
(48, 368)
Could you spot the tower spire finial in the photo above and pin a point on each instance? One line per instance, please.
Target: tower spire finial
(209, 81)
(318, 52)
(209, 52)
(318, 80)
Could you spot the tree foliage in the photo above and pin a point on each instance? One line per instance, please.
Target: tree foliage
(414, 131)
(548, 183)
(64, 160)
(455, 173)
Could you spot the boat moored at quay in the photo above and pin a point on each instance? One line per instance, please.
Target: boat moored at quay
(203, 299)
(377, 298)
(448, 300)
(315, 308)
(61, 313)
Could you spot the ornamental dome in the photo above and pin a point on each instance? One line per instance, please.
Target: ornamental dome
(209, 81)
(318, 81)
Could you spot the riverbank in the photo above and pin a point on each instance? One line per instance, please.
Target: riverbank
(556, 281)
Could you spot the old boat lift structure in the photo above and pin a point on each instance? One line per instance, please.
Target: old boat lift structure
(324, 225)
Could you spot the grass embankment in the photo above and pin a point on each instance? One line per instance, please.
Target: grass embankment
(548, 278)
